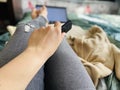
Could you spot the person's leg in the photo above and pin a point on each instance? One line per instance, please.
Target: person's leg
(64, 71)
(37, 83)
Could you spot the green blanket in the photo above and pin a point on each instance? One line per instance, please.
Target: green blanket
(3, 38)
(112, 30)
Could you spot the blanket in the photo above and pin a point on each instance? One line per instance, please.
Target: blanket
(3, 38)
(99, 56)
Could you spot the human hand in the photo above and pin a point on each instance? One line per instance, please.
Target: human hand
(42, 11)
(46, 39)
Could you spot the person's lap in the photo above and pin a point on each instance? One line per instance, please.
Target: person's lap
(63, 71)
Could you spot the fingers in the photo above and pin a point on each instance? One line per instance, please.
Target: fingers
(57, 24)
(57, 27)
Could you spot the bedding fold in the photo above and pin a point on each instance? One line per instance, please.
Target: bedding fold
(97, 53)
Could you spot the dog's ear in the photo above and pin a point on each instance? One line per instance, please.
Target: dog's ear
(11, 29)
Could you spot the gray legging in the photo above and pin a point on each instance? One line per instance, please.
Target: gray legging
(63, 71)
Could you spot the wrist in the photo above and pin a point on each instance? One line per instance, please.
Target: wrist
(38, 54)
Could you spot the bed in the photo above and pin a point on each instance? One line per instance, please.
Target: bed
(105, 21)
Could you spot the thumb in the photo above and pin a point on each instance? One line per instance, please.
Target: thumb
(63, 35)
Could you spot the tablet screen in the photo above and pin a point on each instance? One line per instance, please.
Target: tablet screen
(56, 14)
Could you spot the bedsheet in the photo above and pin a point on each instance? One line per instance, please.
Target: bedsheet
(3, 38)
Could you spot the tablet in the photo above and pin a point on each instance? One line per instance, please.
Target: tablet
(56, 13)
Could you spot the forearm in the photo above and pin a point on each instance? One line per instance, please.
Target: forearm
(18, 73)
